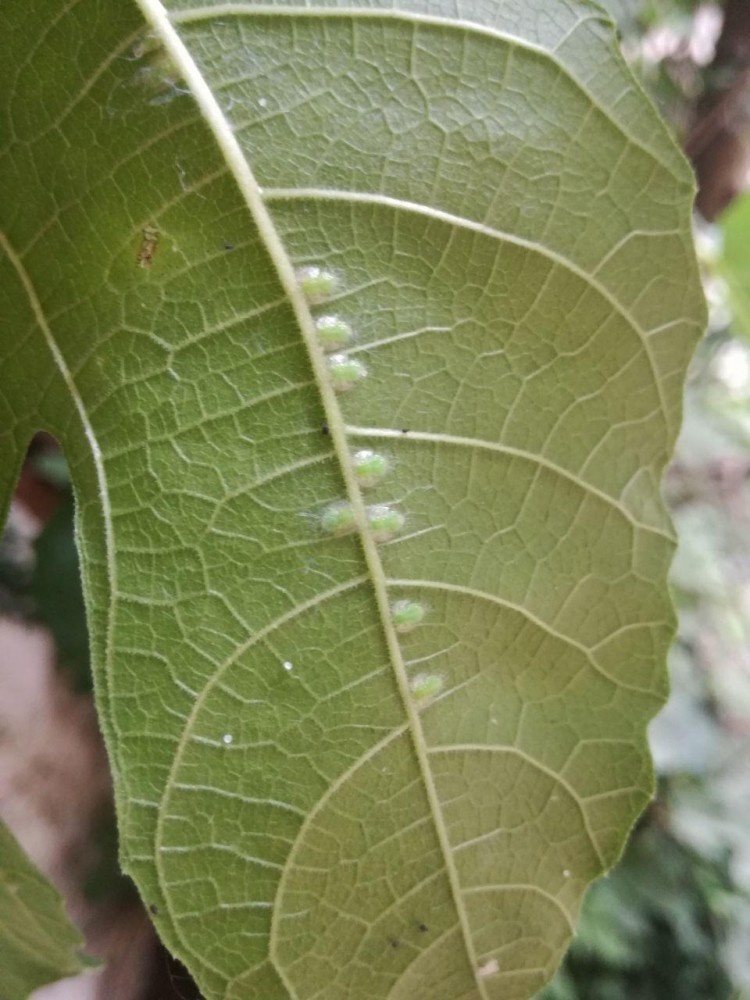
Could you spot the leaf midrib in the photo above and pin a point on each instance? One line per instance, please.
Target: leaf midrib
(156, 15)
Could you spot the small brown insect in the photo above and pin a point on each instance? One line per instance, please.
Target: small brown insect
(148, 246)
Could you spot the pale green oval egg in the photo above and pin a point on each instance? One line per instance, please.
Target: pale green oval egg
(345, 372)
(338, 519)
(384, 522)
(333, 332)
(369, 466)
(317, 283)
(426, 686)
(407, 615)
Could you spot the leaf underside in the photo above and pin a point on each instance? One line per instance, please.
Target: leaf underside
(317, 805)
(38, 943)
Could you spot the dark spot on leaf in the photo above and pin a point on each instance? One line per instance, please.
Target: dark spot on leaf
(395, 943)
(423, 928)
(404, 430)
(153, 908)
(149, 243)
(324, 428)
(229, 246)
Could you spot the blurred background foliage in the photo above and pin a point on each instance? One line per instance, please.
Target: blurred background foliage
(672, 921)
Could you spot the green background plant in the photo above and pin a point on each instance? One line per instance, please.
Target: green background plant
(39, 944)
(507, 222)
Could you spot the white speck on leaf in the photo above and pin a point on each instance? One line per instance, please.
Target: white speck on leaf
(489, 968)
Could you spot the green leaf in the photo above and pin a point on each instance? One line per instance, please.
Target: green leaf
(38, 942)
(734, 262)
(318, 797)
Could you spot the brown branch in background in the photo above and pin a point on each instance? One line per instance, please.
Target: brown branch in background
(719, 141)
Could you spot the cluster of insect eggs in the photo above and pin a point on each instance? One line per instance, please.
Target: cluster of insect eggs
(383, 522)
(334, 334)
